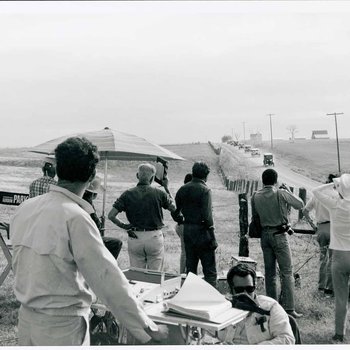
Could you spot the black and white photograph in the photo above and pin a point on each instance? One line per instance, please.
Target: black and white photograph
(175, 173)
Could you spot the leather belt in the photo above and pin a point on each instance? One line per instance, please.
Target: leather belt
(324, 222)
(144, 229)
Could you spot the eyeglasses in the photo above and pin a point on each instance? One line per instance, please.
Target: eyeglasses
(248, 289)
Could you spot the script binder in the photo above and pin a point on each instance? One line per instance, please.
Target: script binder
(198, 299)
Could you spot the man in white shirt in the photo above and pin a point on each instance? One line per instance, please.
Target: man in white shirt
(322, 229)
(268, 328)
(58, 254)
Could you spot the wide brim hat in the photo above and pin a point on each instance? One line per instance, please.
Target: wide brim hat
(95, 186)
(342, 185)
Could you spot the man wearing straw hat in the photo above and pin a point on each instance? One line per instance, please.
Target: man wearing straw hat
(114, 245)
(336, 198)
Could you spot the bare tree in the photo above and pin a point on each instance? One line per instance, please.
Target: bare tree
(237, 136)
(293, 130)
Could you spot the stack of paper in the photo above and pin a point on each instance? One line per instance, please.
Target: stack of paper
(199, 299)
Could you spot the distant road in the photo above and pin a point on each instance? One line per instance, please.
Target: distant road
(285, 174)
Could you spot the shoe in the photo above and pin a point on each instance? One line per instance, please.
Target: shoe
(338, 338)
(294, 313)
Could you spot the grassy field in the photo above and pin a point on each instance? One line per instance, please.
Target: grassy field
(18, 169)
(313, 158)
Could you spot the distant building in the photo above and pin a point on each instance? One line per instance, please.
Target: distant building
(256, 139)
(319, 134)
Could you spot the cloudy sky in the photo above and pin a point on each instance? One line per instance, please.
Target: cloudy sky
(173, 72)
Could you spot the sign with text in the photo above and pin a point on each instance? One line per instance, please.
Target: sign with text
(12, 198)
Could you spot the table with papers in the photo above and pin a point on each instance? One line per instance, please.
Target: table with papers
(196, 310)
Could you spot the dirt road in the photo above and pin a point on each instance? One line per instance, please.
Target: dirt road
(285, 174)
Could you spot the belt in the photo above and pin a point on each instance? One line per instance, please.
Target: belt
(270, 227)
(324, 222)
(145, 229)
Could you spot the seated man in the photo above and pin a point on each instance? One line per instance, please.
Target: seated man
(269, 324)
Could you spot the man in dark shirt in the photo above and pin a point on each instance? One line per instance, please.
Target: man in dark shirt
(193, 201)
(143, 206)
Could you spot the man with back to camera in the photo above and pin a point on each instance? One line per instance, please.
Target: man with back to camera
(143, 206)
(41, 185)
(270, 203)
(264, 328)
(322, 228)
(58, 254)
(193, 201)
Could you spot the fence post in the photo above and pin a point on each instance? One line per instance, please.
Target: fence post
(247, 187)
(302, 195)
(231, 185)
(243, 225)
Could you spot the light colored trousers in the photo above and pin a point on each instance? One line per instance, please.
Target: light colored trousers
(325, 273)
(147, 250)
(276, 249)
(179, 229)
(38, 329)
(340, 275)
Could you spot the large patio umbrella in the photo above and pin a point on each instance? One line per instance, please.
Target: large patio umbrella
(114, 145)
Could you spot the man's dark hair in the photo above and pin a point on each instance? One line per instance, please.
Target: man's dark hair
(240, 270)
(76, 159)
(49, 169)
(269, 177)
(200, 170)
(188, 178)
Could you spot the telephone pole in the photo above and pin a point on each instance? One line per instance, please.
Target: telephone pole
(336, 134)
(270, 115)
(244, 131)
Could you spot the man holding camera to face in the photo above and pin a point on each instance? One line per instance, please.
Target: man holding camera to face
(271, 205)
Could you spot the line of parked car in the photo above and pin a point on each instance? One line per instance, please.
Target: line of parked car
(254, 152)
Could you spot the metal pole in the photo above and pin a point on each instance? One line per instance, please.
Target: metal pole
(271, 130)
(336, 135)
(244, 131)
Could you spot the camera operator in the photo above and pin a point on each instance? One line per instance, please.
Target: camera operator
(271, 205)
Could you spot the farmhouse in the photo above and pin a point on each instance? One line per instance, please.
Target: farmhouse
(319, 134)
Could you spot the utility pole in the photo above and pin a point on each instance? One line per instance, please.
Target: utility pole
(336, 134)
(270, 115)
(244, 131)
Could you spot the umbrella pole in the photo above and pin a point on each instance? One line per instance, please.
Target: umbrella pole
(103, 219)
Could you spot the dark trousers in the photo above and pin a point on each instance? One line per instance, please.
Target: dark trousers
(195, 252)
(114, 245)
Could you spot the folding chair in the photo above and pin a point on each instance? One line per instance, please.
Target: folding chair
(6, 250)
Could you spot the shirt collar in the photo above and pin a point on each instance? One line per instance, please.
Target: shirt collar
(197, 179)
(80, 201)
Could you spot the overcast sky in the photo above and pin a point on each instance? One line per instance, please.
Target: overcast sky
(173, 72)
